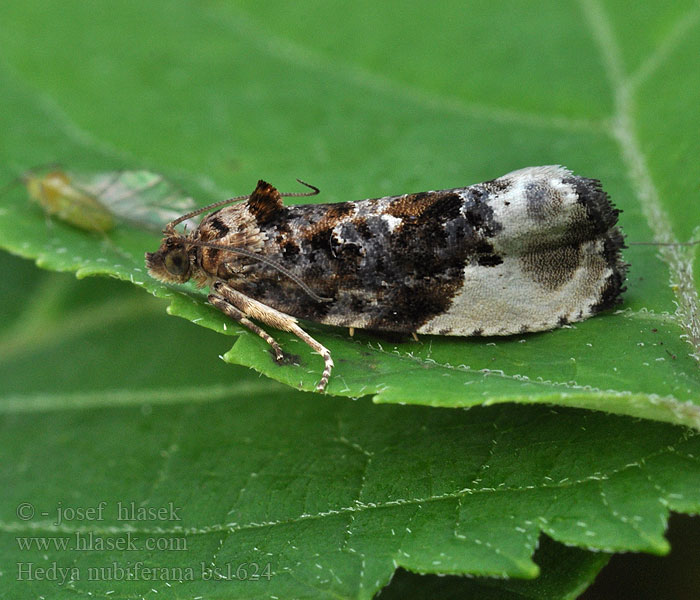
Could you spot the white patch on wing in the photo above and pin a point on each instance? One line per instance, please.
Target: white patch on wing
(514, 212)
(391, 221)
(535, 213)
(504, 299)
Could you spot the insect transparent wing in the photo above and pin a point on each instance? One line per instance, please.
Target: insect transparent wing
(142, 198)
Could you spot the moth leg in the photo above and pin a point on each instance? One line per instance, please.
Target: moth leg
(279, 320)
(415, 336)
(231, 311)
(351, 331)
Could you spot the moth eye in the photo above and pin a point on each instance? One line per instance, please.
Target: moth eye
(176, 263)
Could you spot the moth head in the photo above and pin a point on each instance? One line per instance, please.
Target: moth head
(171, 262)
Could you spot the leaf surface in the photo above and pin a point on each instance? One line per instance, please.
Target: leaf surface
(333, 494)
(422, 126)
(104, 399)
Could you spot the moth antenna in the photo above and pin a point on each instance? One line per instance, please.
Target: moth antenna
(268, 262)
(170, 227)
(314, 191)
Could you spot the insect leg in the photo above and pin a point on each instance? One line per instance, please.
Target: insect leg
(275, 318)
(231, 311)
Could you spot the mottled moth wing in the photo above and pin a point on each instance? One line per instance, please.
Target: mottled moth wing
(556, 258)
(529, 251)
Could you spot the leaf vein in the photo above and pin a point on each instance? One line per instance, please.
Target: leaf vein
(679, 260)
(286, 50)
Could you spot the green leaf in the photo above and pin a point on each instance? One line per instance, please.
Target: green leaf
(383, 115)
(105, 399)
(333, 494)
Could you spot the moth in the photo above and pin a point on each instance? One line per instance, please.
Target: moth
(530, 251)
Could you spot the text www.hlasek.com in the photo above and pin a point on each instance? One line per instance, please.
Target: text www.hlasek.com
(90, 542)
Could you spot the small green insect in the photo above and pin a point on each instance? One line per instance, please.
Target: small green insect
(60, 197)
(97, 201)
